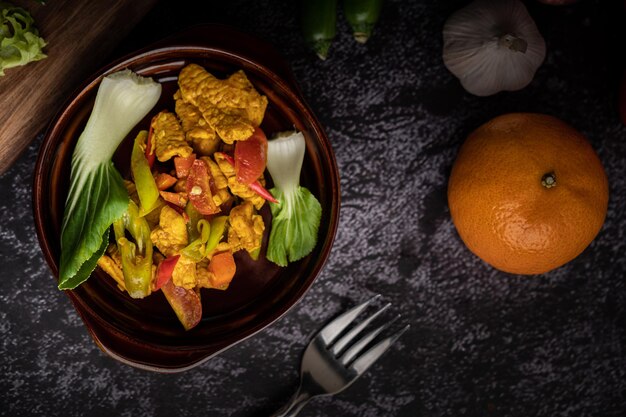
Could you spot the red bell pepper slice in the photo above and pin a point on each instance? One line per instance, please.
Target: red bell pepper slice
(260, 190)
(164, 271)
(229, 159)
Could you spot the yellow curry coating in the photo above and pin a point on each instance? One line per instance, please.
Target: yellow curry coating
(169, 138)
(237, 188)
(232, 107)
(170, 236)
(246, 228)
(198, 133)
(206, 278)
(187, 113)
(255, 110)
(204, 142)
(114, 270)
(221, 183)
(203, 276)
(184, 274)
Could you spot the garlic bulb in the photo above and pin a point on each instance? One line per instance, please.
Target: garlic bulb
(493, 45)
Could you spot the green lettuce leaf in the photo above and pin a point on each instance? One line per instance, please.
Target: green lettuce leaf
(19, 39)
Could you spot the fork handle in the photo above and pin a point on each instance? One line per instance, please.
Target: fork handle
(295, 404)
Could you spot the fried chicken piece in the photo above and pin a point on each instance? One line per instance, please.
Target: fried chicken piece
(114, 270)
(246, 228)
(256, 109)
(232, 107)
(169, 138)
(198, 133)
(237, 188)
(170, 236)
(184, 274)
(220, 182)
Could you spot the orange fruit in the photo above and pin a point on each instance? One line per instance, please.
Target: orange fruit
(527, 193)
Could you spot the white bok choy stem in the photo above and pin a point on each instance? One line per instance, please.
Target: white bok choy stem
(285, 155)
(296, 218)
(97, 195)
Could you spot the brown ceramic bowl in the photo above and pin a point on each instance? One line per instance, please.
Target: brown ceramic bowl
(146, 333)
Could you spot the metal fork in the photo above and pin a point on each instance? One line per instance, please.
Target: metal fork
(331, 363)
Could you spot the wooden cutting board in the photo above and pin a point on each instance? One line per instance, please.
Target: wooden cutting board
(80, 35)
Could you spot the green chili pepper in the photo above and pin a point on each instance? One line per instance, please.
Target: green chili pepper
(319, 21)
(142, 175)
(196, 250)
(218, 227)
(210, 235)
(192, 225)
(119, 229)
(362, 16)
(136, 257)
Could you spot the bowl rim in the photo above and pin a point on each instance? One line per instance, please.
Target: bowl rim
(96, 325)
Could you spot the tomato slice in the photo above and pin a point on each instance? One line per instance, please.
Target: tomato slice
(251, 157)
(164, 181)
(256, 185)
(183, 165)
(175, 198)
(164, 271)
(185, 303)
(199, 188)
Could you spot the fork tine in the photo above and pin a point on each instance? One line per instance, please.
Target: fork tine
(343, 342)
(361, 364)
(365, 340)
(330, 332)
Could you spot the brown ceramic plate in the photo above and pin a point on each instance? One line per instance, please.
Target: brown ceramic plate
(146, 333)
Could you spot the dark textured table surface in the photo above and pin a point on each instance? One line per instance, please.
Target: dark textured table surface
(482, 342)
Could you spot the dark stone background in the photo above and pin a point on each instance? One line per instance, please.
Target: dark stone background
(482, 343)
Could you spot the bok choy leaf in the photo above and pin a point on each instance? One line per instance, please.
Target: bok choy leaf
(296, 217)
(97, 195)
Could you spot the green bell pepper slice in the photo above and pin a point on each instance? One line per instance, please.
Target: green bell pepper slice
(147, 189)
(193, 230)
(196, 249)
(218, 227)
(210, 235)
